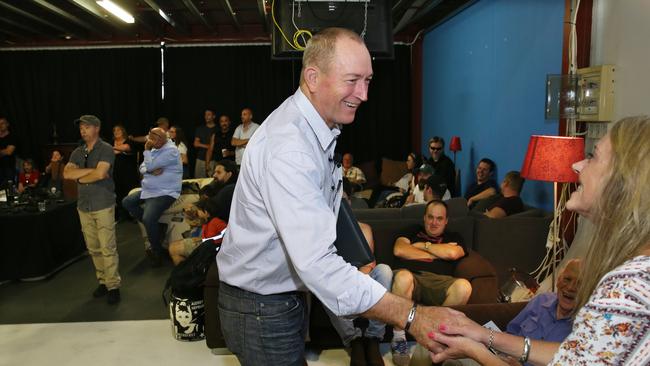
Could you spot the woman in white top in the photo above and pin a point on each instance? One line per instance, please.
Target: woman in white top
(178, 136)
(613, 321)
(404, 185)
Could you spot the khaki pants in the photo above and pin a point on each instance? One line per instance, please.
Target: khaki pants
(98, 228)
(200, 171)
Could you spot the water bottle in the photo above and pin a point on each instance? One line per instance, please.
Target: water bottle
(12, 191)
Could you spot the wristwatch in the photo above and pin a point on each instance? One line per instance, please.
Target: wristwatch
(427, 245)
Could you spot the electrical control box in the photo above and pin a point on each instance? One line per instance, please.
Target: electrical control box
(596, 93)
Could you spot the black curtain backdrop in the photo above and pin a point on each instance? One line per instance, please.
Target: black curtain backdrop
(228, 78)
(382, 127)
(40, 89)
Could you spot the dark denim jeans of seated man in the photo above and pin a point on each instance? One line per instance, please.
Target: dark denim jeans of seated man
(149, 214)
(263, 329)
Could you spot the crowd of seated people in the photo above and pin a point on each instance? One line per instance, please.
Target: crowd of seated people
(210, 213)
(30, 178)
(497, 201)
(397, 193)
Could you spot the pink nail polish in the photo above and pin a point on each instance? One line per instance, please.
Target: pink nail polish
(442, 327)
(431, 335)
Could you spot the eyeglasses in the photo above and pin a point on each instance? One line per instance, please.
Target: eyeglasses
(433, 148)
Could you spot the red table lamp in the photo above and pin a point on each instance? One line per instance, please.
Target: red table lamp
(549, 158)
(455, 146)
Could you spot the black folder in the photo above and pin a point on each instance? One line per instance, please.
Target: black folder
(350, 242)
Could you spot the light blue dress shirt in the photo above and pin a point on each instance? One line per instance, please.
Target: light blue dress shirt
(170, 181)
(283, 217)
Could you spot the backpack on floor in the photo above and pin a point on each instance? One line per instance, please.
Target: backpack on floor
(187, 278)
(183, 292)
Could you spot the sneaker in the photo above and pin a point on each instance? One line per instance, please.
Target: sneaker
(400, 350)
(113, 296)
(373, 355)
(100, 291)
(357, 352)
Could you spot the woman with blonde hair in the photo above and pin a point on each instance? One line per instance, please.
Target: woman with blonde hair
(612, 325)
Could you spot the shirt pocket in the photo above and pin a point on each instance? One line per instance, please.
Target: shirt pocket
(530, 328)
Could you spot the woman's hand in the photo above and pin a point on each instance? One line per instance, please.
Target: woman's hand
(467, 328)
(463, 347)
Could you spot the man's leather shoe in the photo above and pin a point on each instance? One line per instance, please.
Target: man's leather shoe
(100, 291)
(113, 296)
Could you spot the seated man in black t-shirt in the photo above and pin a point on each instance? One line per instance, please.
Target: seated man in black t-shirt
(485, 186)
(426, 259)
(511, 203)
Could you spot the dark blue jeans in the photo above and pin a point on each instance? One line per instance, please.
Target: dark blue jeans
(263, 329)
(148, 212)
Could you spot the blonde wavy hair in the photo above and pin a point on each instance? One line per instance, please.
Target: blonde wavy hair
(622, 212)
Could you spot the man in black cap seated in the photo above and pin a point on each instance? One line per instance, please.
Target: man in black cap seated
(417, 195)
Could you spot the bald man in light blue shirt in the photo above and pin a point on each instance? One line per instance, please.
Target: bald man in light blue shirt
(282, 226)
(162, 174)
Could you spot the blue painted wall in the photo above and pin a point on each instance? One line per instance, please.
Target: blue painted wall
(484, 75)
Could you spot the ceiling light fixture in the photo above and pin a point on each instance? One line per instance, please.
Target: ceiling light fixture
(117, 11)
(163, 15)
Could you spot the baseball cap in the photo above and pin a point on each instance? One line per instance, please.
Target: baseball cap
(426, 169)
(437, 184)
(88, 119)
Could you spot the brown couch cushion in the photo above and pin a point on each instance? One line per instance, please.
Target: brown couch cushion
(391, 171)
(369, 169)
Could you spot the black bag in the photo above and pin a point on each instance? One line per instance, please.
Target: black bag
(350, 242)
(188, 277)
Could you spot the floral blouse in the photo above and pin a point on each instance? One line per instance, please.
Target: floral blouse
(613, 328)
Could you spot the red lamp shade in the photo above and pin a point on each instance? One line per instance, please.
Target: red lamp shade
(454, 144)
(549, 158)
